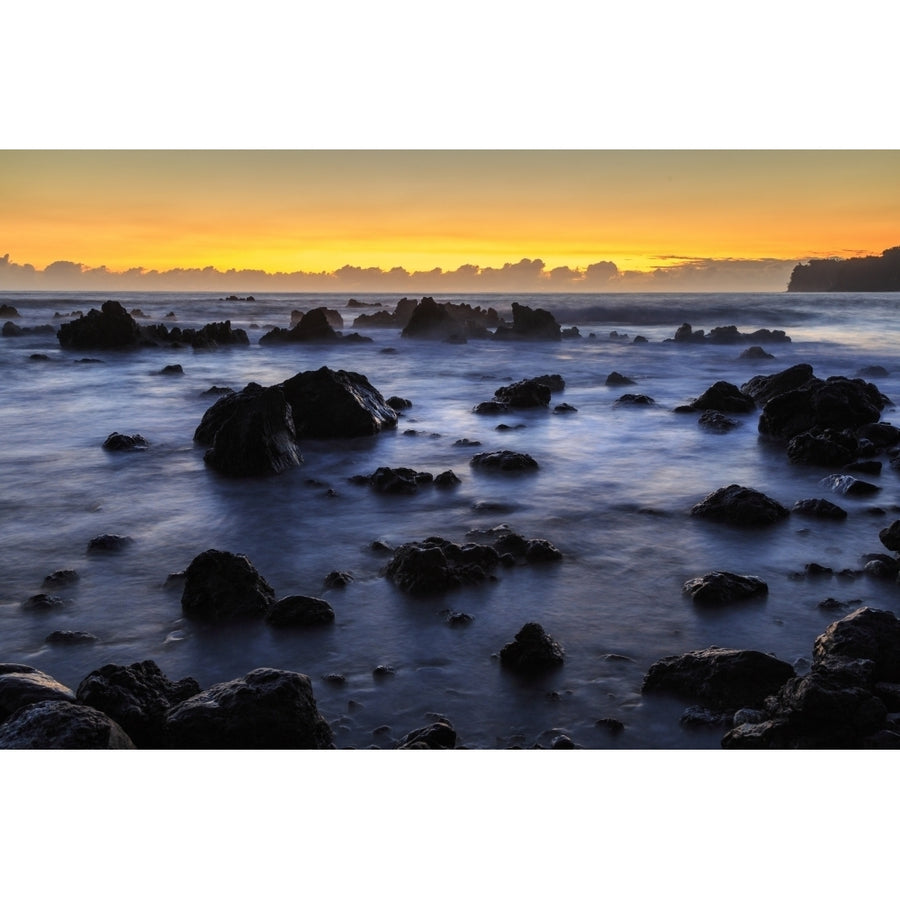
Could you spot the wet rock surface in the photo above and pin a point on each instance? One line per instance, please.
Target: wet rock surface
(220, 585)
(738, 505)
(59, 725)
(719, 588)
(532, 651)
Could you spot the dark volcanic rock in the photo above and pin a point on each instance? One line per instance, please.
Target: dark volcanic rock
(8, 312)
(401, 480)
(398, 403)
(22, 685)
(739, 505)
(251, 432)
(336, 404)
(316, 326)
(719, 588)
(819, 508)
(614, 379)
(531, 392)
(299, 611)
(826, 448)
(116, 441)
(763, 388)
(70, 637)
(719, 678)
(58, 725)
(724, 397)
(532, 650)
(138, 697)
(530, 324)
(849, 486)
(61, 577)
(437, 565)
(717, 421)
(221, 585)
(635, 400)
(432, 321)
(109, 543)
(864, 634)
(890, 536)
(755, 352)
(109, 327)
(266, 709)
(504, 461)
(43, 602)
(437, 736)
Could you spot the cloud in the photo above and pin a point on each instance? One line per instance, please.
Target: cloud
(674, 274)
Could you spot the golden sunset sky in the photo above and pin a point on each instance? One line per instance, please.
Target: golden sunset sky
(319, 210)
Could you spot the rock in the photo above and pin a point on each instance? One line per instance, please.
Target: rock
(58, 725)
(873, 372)
(316, 326)
(838, 403)
(763, 388)
(43, 602)
(532, 650)
(724, 397)
(138, 697)
(719, 678)
(10, 329)
(685, 334)
(718, 588)
(337, 579)
(436, 565)
(61, 577)
(399, 480)
(336, 404)
(820, 509)
(220, 585)
(109, 543)
(70, 637)
(8, 312)
(739, 505)
(614, 379)
(116, 441)
(539, 550)
(447, 479)
(490, 407)
(397, 319)
(251, 432)
(529, 393)
(437, 736)
(716, 421)
(107, 328)
(299, 611)
(848, 485)
(890, 536)
(398, 403)
(635, 400)
(432, 321)
(828, 448)
(504, 461)
(866, 633)
(22, 685)
(267, 709)
(755, 352)
(565, 408)
(530, 324)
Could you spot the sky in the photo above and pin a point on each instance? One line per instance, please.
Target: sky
(452, 220)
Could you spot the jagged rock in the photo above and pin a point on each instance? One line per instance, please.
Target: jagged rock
(890, 536)
(447, 479)
(400, 480)
(848, 485)
(107, 328)
(437, 565)
(174, 369)
(317, 326)
(718, 588)
(719, 678)
(739, 505)
(716, 421)
(490, 408)
(819, 508)
(529, 324)
(685, 334)
(763, 388)
(251, 432)
(138, 697)
(221, 585)
(504, 461)
(529, 393)
(43, 602)
(116, 441)
(398, 318)
(299, 611)
(532, 650)
(22, 685)
(826, 448)
(437, 736)
(59, 725)
(267, 709)
(61, 577)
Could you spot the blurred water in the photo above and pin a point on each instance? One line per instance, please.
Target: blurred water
(613, 492)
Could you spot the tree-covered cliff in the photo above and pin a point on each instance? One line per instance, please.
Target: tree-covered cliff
(863, 273)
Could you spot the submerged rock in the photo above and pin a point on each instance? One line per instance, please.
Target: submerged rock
(109, 543)
(437, 565)
(221, 585)
(819, 508)
(738, 505)
(299, 611)
(504, 461)
(267, 709)
(116, 441)
(718, 588)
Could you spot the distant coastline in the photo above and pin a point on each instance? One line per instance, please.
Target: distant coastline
(863, 273)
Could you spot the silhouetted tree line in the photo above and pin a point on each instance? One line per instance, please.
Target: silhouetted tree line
(863, 273)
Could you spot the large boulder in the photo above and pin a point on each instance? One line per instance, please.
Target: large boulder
(738, 505)
(107, 328)
(530, 324)
(220, 585)
(432, 321)
(138, 697)
(532, 651)
(763, 388)
(336, 404)
(719, 678)
(59, 725)
(22, 685)
(251, 432)
(267, 709)
(317, 326)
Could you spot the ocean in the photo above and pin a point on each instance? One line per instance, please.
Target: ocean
(613, 492)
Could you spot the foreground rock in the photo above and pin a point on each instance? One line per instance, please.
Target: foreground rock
(58, 725)
(267, 709)
(298, 611)
(739, 505)
(219, 585)
(138, 697)
(724, 397)
(22, 685)
(532, 651)
(844, 702)
(718, 678)
(720, 588)
(438, 736)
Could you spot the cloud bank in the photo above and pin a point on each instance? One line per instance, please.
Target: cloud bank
(527, 276)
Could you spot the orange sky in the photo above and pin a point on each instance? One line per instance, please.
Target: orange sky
(319, 210)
